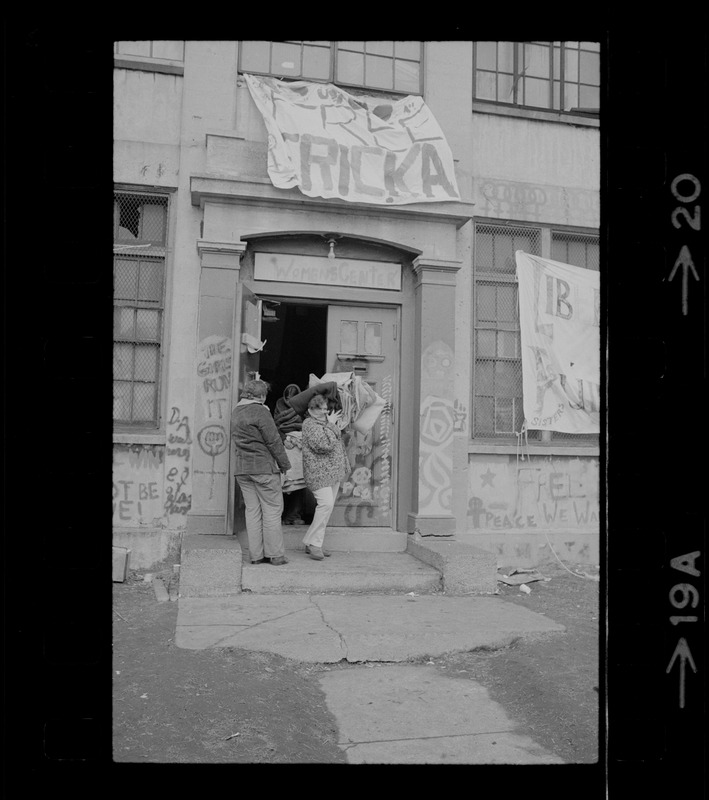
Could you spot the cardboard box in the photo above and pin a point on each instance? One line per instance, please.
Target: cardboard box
(121, 559)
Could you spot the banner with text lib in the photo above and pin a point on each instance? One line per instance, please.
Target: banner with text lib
(559, 316)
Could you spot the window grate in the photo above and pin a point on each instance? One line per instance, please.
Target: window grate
(497, 374)
(139, 229)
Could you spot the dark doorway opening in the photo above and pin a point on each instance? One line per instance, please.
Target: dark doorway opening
(296, 345)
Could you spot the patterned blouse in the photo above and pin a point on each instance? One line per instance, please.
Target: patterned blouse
(325, 460)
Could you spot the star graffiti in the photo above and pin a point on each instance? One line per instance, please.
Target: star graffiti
(486, 478)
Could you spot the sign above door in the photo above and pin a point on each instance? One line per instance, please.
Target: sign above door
(327, 271)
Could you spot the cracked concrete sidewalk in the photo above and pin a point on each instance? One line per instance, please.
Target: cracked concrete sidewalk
(387, 712)
(330, 628)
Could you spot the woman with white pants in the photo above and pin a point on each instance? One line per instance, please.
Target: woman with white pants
(325, 466)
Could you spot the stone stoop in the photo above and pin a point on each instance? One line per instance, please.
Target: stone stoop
(210, 566)
(465, 569)
(347, 540)
(366, 561)
(343, 573)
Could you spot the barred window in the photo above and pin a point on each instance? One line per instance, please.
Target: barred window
(139, 237)
(560, 76)
(497, 375)
(387, 66)
(172, 50)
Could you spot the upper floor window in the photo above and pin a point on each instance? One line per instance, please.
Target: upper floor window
(172, 50)
(387, 66)
(559, 76)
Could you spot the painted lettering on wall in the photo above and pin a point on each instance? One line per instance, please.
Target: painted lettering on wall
(506, 199)
(178, 496)
(512, 551)
(138, 474)
(210, 458)
(179, 436)
(543, 493)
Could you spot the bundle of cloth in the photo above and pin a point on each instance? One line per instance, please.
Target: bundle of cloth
(286, 418)
(360, 404)
(299, 402)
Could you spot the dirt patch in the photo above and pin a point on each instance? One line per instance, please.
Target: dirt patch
(550, 684)
(208, 706)
(238, 706)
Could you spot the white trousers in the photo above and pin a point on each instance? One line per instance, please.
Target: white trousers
(325, 498)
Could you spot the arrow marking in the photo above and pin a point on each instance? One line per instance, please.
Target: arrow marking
(682, 650)
(684, 259)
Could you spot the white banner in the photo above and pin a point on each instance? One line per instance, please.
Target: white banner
(330, 143)
(559, 315)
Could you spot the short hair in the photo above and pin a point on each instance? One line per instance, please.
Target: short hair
(255, 389)
(317, 401)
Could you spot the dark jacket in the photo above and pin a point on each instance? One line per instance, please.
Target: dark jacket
(259, 449)
(325, 460)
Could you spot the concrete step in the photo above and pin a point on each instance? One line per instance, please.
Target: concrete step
(348, 540)
(343, 573)
(210, 566)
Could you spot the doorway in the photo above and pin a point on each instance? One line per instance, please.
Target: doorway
(304, 338)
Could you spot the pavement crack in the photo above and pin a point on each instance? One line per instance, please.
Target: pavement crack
(348, 745)
(343, 642)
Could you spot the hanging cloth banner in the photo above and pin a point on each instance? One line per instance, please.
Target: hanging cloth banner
(559, 317)
(330, 143)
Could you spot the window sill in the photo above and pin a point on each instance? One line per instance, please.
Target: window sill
(481, 107)
(536, 449)
(126, 437)
(149, 64)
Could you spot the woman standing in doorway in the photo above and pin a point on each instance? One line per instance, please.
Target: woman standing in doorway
(325, 466)
(260, 460)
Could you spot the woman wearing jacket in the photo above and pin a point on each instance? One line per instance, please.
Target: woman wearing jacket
(260, 460)
(325, 466)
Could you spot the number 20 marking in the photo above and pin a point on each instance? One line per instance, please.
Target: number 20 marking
(695, 221)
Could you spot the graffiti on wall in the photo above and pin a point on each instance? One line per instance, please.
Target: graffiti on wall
(178, 496)
(543, 493)
(568, 549)
(214, 368)
(138, 473)
(505, 199)
(437, 424)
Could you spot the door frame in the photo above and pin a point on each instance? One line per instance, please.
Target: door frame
(325, 295)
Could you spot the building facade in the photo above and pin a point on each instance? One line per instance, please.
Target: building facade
(211, 260)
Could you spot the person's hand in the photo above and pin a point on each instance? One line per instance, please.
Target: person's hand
(334, 417)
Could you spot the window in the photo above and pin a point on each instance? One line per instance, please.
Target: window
(172, 50)
(139, 237)
(560, 76)
(497, 374)
(386, 66)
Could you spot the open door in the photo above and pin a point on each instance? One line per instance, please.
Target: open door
(364, 340)
(246, 349)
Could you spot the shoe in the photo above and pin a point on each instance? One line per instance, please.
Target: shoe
(314, 552)
(260, 561)
(278, 561)
(325, 552)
